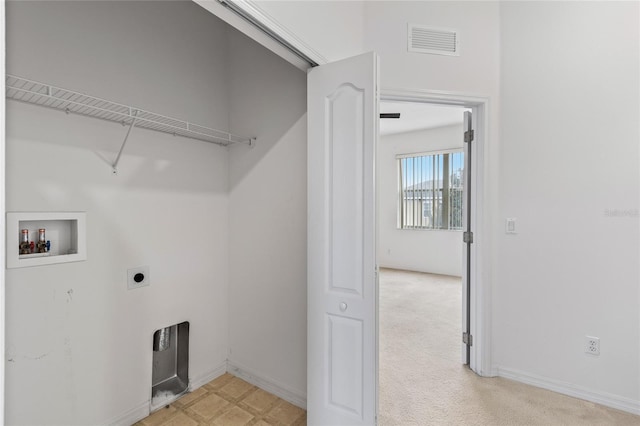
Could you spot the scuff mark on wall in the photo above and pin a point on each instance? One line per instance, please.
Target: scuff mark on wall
(36, 358)
(10, 354)
(29, 357)
(69, 373)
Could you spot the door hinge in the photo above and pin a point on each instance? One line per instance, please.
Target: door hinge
(467, 339)
(467, 237)
(468, 136)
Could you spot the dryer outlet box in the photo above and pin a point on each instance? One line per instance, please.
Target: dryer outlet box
(138, 277)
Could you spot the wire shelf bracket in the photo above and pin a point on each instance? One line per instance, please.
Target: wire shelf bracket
(126, 138)
(33, 92)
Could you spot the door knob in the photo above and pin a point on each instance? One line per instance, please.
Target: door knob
(343, 306)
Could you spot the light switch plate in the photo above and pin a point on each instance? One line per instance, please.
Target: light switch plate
(510, 226)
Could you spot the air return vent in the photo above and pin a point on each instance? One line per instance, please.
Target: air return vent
(436, 41)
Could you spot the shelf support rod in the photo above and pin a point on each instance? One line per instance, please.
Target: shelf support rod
(133, 123)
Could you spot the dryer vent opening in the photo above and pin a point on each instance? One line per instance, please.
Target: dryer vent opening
(170, 372)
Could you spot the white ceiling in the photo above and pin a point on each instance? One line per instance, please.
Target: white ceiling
(418, 116)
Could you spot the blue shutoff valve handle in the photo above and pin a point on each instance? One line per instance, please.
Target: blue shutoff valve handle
(48, 245)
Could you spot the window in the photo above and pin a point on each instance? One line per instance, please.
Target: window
(431, 191)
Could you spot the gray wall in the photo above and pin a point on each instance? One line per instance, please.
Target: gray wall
(268, 219)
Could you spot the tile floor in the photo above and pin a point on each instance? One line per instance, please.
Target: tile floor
(227, 401)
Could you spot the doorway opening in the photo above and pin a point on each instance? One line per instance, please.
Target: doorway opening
(423, 205)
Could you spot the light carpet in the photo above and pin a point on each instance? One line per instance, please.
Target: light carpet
(422, 379)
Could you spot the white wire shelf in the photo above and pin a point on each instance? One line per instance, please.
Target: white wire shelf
(33, 92)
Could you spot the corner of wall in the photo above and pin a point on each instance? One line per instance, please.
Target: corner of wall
(281, 390)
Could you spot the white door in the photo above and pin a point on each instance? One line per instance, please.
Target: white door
(342, 107)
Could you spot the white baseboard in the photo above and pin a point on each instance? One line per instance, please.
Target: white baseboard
(272, 386)
(143, 410)
(203, 379)
(132, 416)
(607, 399)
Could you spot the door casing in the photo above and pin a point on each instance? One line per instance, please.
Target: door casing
(480, 356)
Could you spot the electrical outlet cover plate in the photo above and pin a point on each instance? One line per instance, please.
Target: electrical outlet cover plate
(138, 277)
(592, 345)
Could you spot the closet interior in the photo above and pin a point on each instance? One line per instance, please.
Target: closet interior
(180, 146)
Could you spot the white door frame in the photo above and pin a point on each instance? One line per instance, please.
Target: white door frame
(2, 208)
(480, 298)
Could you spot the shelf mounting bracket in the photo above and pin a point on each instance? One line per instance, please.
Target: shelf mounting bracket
(133, 123)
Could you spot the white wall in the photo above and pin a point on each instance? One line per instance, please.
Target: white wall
(325, 31)
(563, 76)
(118, 52)
(570, 110)
(268, 219)
(569, 134)
(334, 29)
(78, 343)
(434, 251)
(475, 72)
(567, 85)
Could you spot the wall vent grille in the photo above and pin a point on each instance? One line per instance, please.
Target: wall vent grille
(436, 41)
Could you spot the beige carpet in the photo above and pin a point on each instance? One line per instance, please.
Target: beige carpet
(422, 381)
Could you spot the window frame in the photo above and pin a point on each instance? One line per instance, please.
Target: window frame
(401, 195)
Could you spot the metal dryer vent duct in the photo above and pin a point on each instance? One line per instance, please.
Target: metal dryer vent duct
(162, 339)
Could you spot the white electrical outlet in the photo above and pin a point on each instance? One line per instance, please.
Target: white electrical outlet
(138, 277)
(592, 345)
